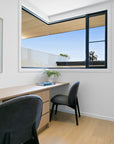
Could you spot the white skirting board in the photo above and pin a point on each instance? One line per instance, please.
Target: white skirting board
(97, 116)
(88, 114)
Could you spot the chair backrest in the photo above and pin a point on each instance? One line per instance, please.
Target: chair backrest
(73, 94)
(17, 117)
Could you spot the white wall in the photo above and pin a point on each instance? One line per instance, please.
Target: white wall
(35, 58)
(11, 77)
(96, 94)
(0, 44)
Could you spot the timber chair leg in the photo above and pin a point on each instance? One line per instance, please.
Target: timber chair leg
(56, 109)
(51, 112)
(6, 139)
(78, 107)
(36, 141)
(76, 116)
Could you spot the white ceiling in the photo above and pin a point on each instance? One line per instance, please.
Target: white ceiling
(52, 7)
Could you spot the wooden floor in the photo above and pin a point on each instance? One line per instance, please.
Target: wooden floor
(63, 130)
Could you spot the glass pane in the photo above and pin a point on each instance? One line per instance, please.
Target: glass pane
(64, 49)
(97, 41)
(97, 54)
(97, 34)
(56, 45)
(97, 28)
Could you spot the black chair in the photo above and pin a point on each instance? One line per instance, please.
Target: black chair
(19, 119)
(71, 100)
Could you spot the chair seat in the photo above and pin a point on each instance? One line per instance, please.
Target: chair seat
(60, 99)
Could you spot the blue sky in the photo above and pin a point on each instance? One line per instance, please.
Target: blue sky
(70, 43)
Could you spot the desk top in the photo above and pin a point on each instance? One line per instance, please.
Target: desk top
(11, 92)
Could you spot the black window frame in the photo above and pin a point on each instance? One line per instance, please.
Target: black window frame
(87, 16)
(87, 38)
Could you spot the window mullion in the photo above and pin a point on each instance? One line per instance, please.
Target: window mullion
(97, 41)
(87, 41)
(106, 39)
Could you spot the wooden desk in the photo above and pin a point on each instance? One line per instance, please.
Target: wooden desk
(42, 91)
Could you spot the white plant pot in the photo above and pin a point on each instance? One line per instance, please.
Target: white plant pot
(51, 78)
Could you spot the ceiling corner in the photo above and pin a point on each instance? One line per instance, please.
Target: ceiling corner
(35, 11)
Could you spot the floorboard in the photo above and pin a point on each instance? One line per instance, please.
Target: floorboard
(63, 130)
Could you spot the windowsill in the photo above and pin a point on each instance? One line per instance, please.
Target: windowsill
(76, 70)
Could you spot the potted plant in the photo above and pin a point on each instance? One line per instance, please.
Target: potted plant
(51, 75)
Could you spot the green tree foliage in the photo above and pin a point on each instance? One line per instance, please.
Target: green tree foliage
(65, 55)
(92, 56)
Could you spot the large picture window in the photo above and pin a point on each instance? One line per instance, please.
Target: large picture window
(74, 43)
